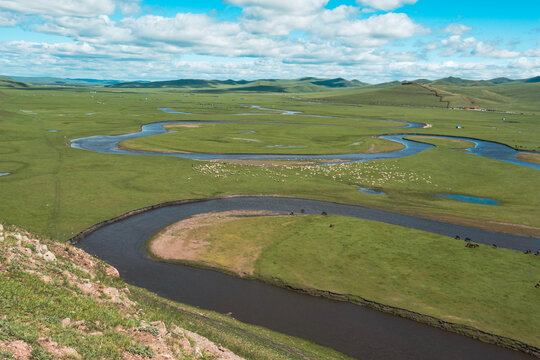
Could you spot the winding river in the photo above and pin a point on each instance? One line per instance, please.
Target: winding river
(109, 144)
(355, 330)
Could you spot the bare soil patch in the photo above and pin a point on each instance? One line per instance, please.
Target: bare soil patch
(533, 158)
(181, 125)
(176, 242)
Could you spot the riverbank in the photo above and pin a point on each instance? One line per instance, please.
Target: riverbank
(72, 305)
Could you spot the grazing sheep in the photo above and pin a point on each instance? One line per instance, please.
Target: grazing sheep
(324, 213)
(494, 245)
(467, 239)
(331, 225)
(458, 237)
(471, 245)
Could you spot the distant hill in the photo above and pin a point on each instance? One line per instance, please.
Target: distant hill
(181, 83)
(12, 84)
(497, 81)
(399, 95)
(300, 85)
(460, 82)
(500, 94)
(338, 83)
(60, 81)
(306, 84)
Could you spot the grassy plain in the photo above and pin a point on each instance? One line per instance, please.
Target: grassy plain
(389, 264)
(266, 139)
(57, 191)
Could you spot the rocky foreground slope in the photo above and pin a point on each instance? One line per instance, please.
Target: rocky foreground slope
(58, 302)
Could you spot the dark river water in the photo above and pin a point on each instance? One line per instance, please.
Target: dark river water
(355, 330)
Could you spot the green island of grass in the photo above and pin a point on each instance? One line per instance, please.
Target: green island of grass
(487, 288)
(265, 139)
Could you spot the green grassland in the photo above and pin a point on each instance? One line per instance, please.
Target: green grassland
(516, 98)
(411, 95)
(264, 139)
(57, 191)
(406, 268)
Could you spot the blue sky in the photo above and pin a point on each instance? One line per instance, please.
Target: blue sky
(369, 40)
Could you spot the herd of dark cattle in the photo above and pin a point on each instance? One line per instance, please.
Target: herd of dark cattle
(468, 240)
(470, 244)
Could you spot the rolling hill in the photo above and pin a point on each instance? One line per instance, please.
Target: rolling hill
(306, 84)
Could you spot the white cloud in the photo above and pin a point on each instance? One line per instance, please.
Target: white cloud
(385, 5)
(346, 41)
(330, 33)
(525, 64)
(457, 29)
(82, 8)
(8, 19)
(278, 17)
(533, 52)
(98, 29)
(455, 45)
(487, 50)
(296, 6)
(375, 31)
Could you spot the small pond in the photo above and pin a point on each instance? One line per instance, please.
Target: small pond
(371, 191)
(167, 110)
(471, 199)
(286, 146)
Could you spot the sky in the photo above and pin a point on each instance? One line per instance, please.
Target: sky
(369, 40)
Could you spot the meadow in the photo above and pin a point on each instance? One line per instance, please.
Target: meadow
(264, 139)
(57, 191)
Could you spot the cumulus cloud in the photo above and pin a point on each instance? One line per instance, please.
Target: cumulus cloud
(278, 17)
(524, 65)
(385, 5)
(533, 52)
(375, 31)
(457, 29)
(487, 50)
(455, 45)
(82, 8)
(271, 38)
(327, 32)
(8, 19)
(296, 6)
